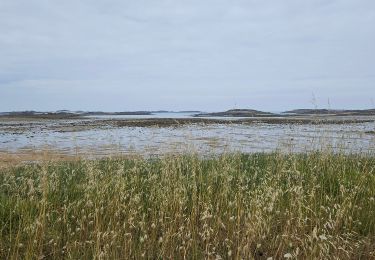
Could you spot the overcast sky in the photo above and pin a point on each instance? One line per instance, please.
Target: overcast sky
(117, 55)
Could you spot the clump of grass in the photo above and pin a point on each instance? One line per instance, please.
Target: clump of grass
(233, 206)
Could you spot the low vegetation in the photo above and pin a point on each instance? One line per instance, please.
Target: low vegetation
(260, 206)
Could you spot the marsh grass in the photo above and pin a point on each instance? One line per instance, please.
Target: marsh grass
(258, 206)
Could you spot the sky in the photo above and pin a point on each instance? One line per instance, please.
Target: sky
(209, 55)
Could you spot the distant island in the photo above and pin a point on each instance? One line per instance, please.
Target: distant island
(335, 112)
(66, 114)
(237, 113)
(61, 114)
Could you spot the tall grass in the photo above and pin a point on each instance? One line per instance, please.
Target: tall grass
(258, 206)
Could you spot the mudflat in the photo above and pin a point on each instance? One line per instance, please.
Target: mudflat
(105, 135)
(18, 124)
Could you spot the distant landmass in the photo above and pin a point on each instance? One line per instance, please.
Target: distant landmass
(237, 113)
(61, 114)
(66, 114)
(339, 112)
(36, 114)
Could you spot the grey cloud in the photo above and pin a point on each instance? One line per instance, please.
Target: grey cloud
(150, 51)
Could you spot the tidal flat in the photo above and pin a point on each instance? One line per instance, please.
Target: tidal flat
(166, 133)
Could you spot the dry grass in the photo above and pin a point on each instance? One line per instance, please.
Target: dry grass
(29, 156)
(317, 206)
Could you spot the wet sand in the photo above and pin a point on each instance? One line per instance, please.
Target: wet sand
(18, 124)
(29, 138)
